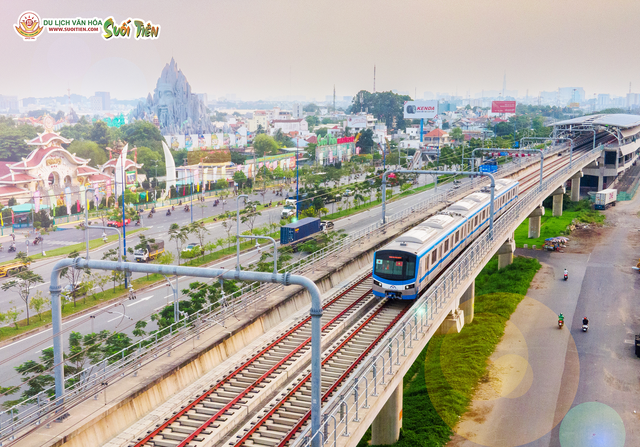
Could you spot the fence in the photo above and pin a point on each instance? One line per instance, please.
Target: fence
(373, 373)
(90, 381)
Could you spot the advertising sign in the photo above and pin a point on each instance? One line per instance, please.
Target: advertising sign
(503, 107)
(359, 121)
(420, 109)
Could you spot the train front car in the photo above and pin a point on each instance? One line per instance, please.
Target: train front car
(394, 274)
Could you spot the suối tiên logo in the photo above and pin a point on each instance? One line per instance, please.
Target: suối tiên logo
(30, 25)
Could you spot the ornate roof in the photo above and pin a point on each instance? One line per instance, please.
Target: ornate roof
(128, 164)
(11, 191)
(37, 156)
(14, 178)
(47, 137)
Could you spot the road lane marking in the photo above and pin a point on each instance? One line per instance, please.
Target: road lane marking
(140, 300)
(113, 319)
(39, 351)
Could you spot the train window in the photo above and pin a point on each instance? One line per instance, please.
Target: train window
(446, 245)
(457, 236)
(395, 265)
(434, 256)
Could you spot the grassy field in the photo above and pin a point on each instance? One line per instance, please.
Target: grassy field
(557, 226)
(440, 384)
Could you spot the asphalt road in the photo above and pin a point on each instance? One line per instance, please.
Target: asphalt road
(159, 296)
(573, 388)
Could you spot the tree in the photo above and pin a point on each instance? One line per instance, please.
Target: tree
(39, 302)
(365, 141)
(199, 230)
(250, 215)
(180, 235)
(265, 145)
(312, 121)
(100, 133)
(311, 108)
(144, 134)
(74, 276)
(88, 150)
(239, 177)
(12, 139)
(24, 281)
(149, 158)
(456, 134)
(229, 226)
(387, 107)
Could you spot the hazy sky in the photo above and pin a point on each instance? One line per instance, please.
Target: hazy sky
(262, 48)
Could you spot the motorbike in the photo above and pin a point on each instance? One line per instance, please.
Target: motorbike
(153, 210)
(137, 223)
(585, 327)
(12, 249)
(186, 209)
(37, 240)
(215, 204)
(560, 323)
(168, 213)
(566, 276)
(150, 216)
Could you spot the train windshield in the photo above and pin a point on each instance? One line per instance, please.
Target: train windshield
(395, 266)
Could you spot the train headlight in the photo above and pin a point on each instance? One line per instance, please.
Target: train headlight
(377, 283)
(409, 286)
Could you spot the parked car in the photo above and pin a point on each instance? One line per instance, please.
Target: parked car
(118, 223)
(192, 246)
(347, 193)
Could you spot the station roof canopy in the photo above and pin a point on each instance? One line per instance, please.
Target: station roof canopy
(620, 120)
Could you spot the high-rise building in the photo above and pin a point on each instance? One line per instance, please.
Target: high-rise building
(298, 111)
(106, 100)
(9, 103)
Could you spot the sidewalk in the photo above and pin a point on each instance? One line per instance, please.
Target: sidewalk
(522, 401)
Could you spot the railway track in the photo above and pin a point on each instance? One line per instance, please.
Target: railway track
(288, 414)
(226, 403)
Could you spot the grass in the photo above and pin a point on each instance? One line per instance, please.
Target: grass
(440, 384)
(93, 243)
(557, 226)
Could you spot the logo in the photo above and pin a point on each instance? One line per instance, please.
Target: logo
(28, 26)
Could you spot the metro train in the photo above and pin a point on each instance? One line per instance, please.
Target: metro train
(405, 267)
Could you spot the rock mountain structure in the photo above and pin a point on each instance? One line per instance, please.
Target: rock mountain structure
(176, 109)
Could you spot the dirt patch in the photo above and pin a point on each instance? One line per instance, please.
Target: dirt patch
(543, 278)
(583, 240)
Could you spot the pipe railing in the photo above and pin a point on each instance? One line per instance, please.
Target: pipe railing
(89, 381)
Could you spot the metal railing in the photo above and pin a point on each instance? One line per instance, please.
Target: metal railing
(376, 370)
(92, 380)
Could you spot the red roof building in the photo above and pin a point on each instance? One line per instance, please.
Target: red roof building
(47, 170)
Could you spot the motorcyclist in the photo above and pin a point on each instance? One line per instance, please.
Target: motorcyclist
(561, 317)
(168, 212)
(566, 273)
(585, 321)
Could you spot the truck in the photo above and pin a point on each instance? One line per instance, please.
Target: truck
(299, 231)
(606, 198)
(150, 252)
(12, 268)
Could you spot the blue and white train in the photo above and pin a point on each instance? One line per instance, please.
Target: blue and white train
(405, 267)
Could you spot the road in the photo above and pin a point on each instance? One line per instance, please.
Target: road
(153, 300)
(573, 388)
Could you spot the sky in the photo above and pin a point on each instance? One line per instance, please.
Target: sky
(272, 48)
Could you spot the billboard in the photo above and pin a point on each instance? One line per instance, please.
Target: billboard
(420, 109)
(503, 107)
(357, 121)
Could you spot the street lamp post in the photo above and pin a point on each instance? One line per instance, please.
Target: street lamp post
(297, 183)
